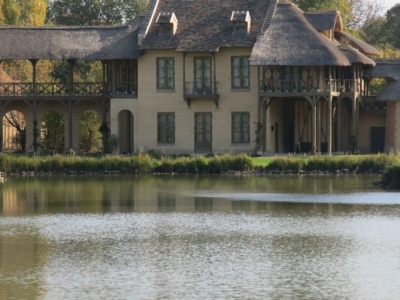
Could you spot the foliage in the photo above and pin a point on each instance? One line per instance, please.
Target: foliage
(258, 132)
(90, 136)
(53, 132)
(17, 120)
(391, 178)
(23, 12)
(94, 12)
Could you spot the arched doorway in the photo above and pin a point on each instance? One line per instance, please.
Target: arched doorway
(89, 134)
(125, 131)
(14, 131)
(52, 132)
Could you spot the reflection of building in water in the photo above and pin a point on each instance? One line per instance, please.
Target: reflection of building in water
(22, 259)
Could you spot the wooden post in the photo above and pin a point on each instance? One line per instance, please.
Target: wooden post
(34, 62)
(70, 111)
(103, 64)
(354, 105)
(314, 125)
(113, 68)
(318, 126)
(329, 129)
(339, 124)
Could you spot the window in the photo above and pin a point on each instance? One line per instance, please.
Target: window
(166, 29)
(241, 27)
(166, 128)
(241, 127)
(240, 72)
(165, 73)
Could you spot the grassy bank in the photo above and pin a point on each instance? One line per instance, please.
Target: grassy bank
(216, 164)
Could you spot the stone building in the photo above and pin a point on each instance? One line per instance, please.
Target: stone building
(200, 76)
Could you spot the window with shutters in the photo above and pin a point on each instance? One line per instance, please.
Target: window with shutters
(166, 128)
(240, 72)
(165, 73)
(240, 127)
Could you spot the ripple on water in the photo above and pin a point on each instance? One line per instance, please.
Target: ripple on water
(208, 255)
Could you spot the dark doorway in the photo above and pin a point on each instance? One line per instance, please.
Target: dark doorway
(378, 139)
(202, 133)
(276, 137)
(290, 137)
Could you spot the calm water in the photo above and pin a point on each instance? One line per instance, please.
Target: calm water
(199, 237)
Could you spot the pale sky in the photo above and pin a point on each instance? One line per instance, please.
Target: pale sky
(390, 3)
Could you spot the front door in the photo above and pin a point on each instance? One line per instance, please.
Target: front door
(202, 133)
(202, 75)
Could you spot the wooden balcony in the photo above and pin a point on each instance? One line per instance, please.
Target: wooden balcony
(46, 90)
(283, 88)
(195, 90)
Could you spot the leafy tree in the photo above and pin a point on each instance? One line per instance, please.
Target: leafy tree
(17, 120)
(53, 131)
(392, 27)
(90, 136)
(23, 12)
(94, 12)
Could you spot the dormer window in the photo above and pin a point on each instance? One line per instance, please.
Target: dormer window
(240, 22)
(168, 23)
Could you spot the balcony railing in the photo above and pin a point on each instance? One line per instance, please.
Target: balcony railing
(51, 89)
(126, 88)
(299, 86)
(309, 86)
(201, 88)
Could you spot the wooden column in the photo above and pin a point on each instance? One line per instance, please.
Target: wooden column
(264, 127)
(71, 64)
(34, 62)
(329, 129)
(354, 105)
(103, 65)
(339, 124)
(318, 126)
(113, 70)
(314, 126)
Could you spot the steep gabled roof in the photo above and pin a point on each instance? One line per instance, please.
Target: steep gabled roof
(81, 43)
(291, 40)
(204, 25)
(363, 47)
(328, 20)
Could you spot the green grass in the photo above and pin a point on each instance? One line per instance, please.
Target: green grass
(146, 163)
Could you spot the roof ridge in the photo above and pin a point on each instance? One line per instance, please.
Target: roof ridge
(269, 15)
(148, 19)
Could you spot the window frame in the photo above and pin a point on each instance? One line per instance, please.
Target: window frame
(164, 134)
(165, 71)
(241, 77)
(241, 132)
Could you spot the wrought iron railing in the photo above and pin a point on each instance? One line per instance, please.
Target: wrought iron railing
(201, 88)
(126, 88)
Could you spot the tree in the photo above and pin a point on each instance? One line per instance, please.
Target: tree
(90, 136)
(392, 27)
(23, 12)
(17, 120)
(94, 12)
(53, 131)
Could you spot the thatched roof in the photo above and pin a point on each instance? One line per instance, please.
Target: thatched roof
(390, 70)
(363, 47)
(291, 40)
(61, 43)
(324, 20)
(203, 26)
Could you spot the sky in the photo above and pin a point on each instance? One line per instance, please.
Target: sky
(390, 3)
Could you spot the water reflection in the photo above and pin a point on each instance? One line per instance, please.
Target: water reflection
(19, 196)
(198, 237)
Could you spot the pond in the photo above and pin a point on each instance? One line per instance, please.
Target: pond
(182, 237)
